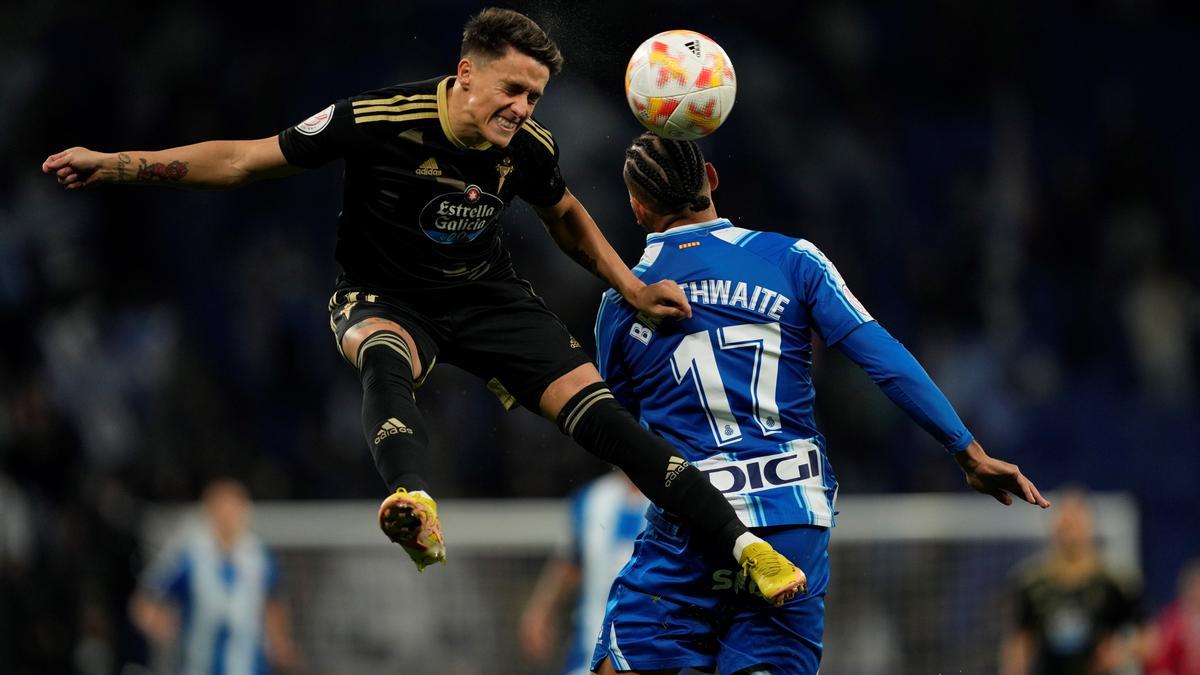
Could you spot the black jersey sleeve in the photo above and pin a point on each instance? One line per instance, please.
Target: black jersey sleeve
(323, 137)
(542, 183)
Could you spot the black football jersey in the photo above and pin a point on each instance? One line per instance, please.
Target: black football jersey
(420, 208)
(1068, 622)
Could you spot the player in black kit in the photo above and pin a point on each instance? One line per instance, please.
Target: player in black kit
(430, 166)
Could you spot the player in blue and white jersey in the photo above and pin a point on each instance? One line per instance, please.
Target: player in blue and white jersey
(213, 594)
(606, 516)
(731, 388)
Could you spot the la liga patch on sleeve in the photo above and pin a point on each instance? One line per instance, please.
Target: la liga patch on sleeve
(313, 125)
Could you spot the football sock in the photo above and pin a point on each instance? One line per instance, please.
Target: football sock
(595, 420)
(744, 540)
(391, 420)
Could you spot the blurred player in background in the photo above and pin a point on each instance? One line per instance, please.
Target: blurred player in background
(1175, 636)
(214, 595)
(606, 516)
(731, 387)
(430, 167)
(1074, 614)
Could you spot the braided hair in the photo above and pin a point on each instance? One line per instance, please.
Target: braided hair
(666, 174)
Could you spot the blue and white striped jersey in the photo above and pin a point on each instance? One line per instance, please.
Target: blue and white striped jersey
(606, 517)
(221, 598)
(731, 387)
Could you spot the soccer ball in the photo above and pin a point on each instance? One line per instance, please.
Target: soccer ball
(680, 84)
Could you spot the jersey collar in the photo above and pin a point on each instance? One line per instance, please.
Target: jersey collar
(443, 101)
(693, 229)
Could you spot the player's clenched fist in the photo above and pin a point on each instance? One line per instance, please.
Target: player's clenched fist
(77, 167)
(663, 300)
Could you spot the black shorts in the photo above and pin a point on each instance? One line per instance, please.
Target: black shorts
(498, 330)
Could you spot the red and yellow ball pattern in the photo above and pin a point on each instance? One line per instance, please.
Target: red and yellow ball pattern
(680, 84)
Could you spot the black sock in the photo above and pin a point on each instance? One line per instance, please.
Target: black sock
(597, 422)
(391, 421)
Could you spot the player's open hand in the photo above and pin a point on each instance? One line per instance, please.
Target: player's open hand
(662, 300)
(76, 168)
(997, 478)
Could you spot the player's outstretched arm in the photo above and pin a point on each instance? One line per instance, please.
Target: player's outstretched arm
(579, 237)
(906, 383)
(212, 165)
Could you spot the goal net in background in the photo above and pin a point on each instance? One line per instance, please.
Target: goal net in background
(920, 583)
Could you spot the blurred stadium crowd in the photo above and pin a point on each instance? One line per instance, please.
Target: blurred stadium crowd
(1009, 187)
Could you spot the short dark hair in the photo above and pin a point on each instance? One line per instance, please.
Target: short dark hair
(665, 174)
(492, 31)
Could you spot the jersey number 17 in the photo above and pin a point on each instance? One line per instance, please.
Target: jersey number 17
(695, 357)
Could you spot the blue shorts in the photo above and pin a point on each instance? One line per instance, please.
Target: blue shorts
(676, 605)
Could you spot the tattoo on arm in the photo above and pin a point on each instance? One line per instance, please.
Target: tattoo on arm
(123, 160)
(586, 261)
(157, 172)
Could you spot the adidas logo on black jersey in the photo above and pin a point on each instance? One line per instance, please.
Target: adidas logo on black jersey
(693, 45)
(429, 168)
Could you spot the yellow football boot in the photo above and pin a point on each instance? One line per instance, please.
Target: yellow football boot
(411, 520)
(776, 577)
